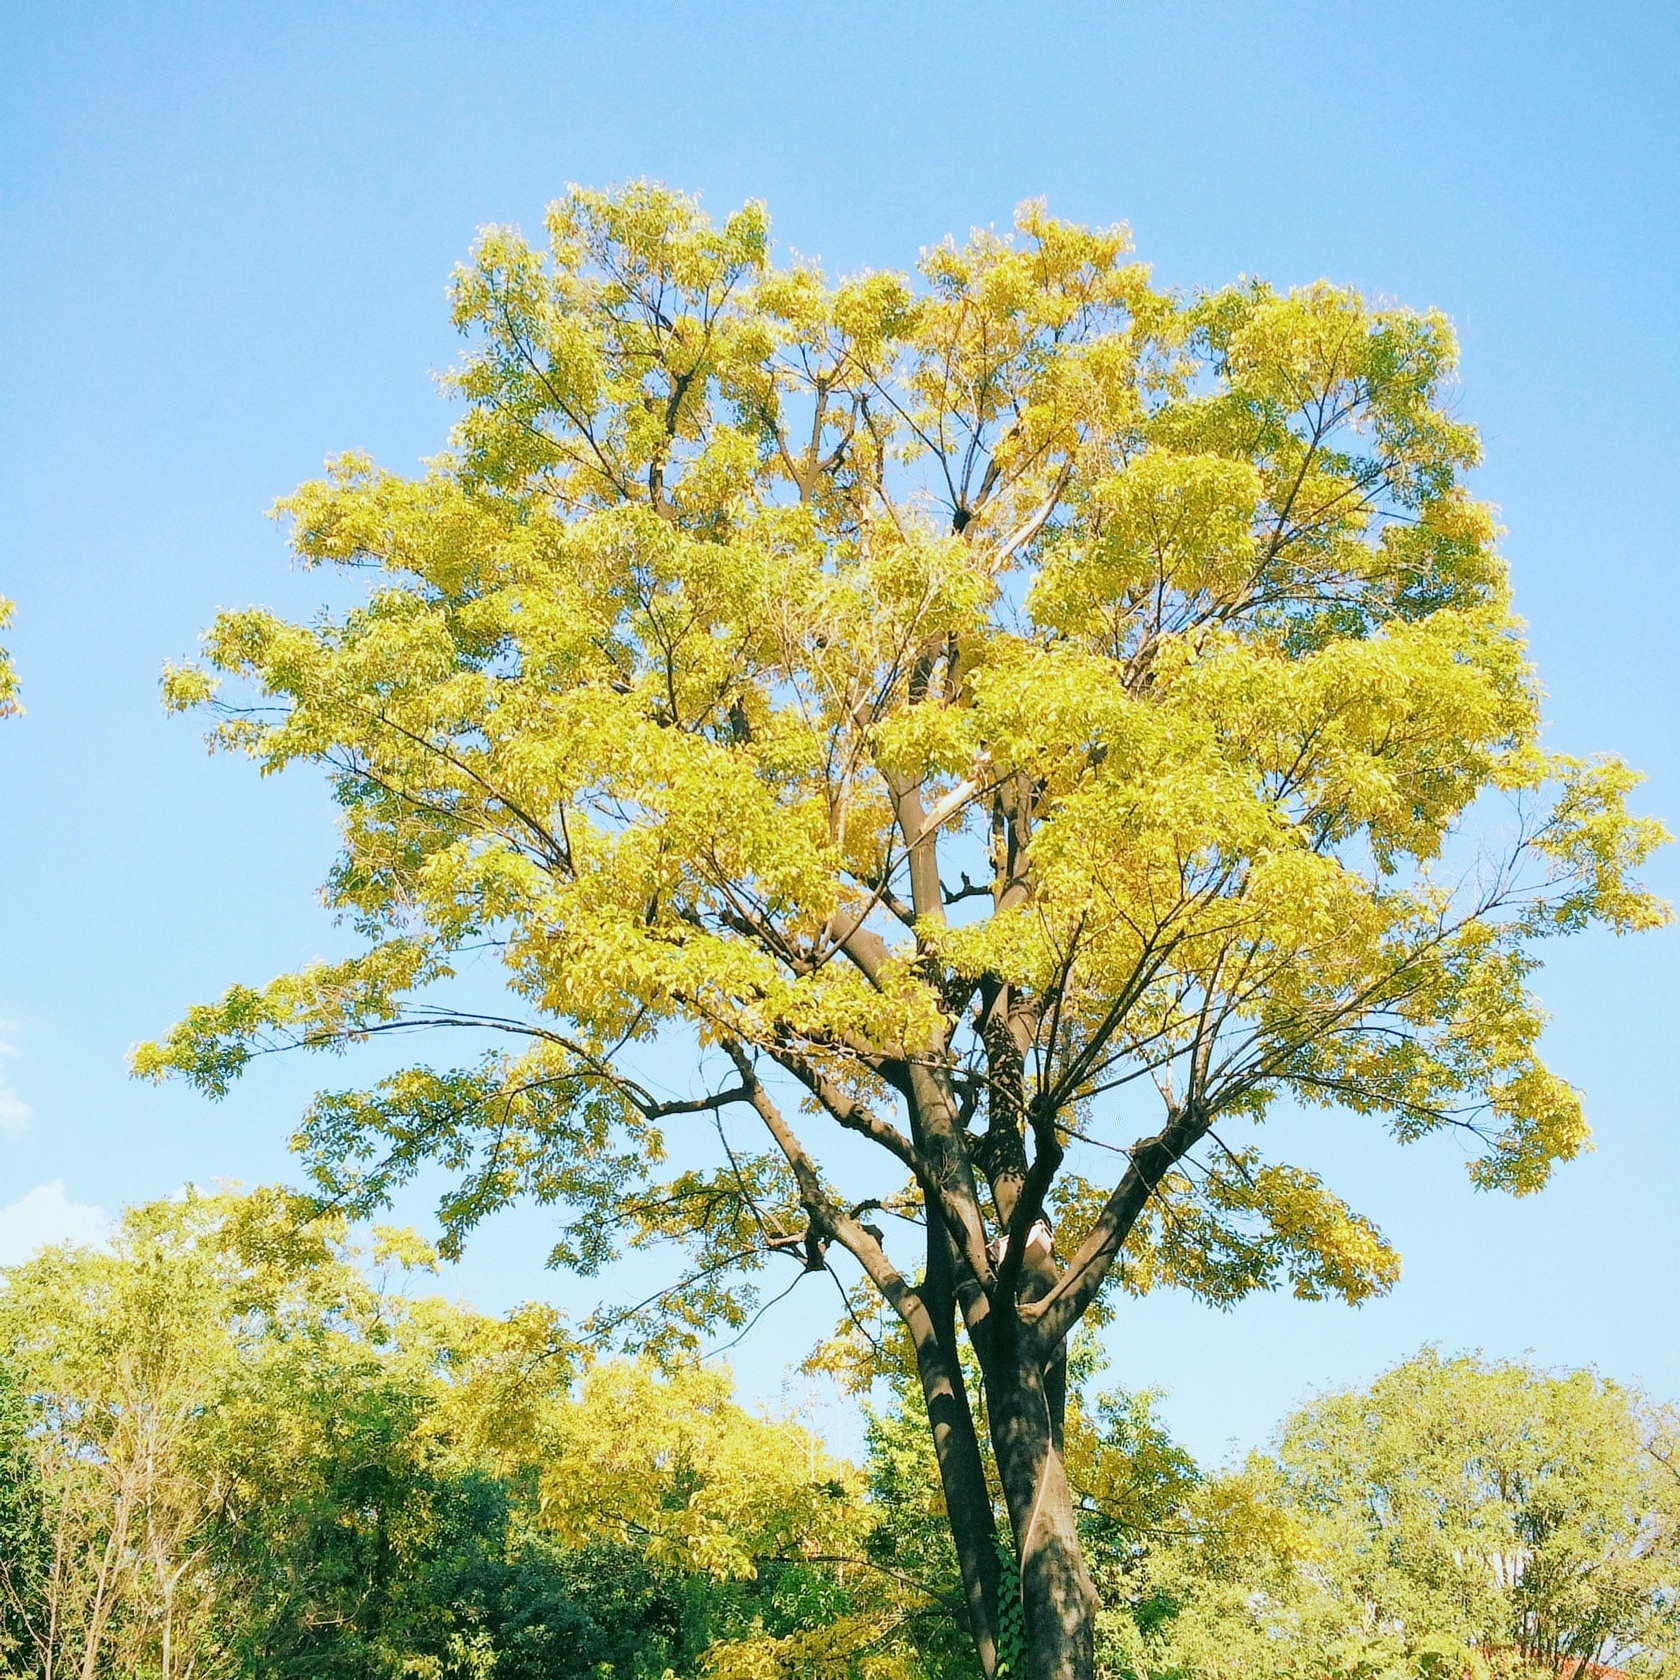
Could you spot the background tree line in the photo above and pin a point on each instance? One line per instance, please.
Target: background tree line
(232, 1443)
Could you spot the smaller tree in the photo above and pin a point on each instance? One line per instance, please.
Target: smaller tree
(1135, 1487)
(136, 1378)
(1458, 1514)
(232, 1449)
(25, 1538)
(119, 1354)
(8, 676)
(773, 1534)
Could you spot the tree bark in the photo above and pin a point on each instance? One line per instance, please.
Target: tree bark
(956, 1445)
(1058, 1599)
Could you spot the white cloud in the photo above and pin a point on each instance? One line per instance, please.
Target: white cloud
(14, 1111)
(47, 1215)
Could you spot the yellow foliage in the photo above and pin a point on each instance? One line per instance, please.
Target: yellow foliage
(840, 1649)
(1009, 714)
(675, 1464)
(8, 676)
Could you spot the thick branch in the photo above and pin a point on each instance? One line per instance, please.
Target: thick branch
(1055, 1316)
(1029, 1205)
(866, 948)
(853, 1115)
(825, 1212)
(920, 827)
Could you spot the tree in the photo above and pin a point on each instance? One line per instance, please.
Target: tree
(8, 676)
(227, 1452)
(1457, 1515)
(135, 1367)
(119, 1354)
(960, 711)
(25, 1536)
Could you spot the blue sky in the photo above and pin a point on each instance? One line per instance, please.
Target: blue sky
(224, 237)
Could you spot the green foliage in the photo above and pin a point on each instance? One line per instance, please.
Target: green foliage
(231, 1445)
(908, 1534)
(1457, 1516)
(228, 1450)
(392, 1569)
(25, 1538)
(1012, 1627)
(1132, 1480)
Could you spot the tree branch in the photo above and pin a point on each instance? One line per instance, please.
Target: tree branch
(1052, 1318)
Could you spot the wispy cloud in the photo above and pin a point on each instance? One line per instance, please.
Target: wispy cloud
(47, 1215)
(14, 1111)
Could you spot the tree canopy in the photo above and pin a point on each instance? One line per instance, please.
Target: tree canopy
(1458, 1516)
(233, 1444)
(1024, 719)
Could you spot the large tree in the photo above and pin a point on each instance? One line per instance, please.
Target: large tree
(1031, 723)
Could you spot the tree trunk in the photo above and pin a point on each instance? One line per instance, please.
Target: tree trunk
(968, 1508)
(1058, 1599)
(956, 1446)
